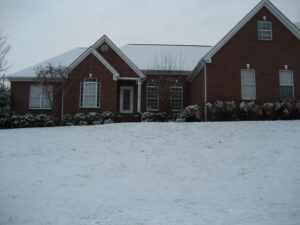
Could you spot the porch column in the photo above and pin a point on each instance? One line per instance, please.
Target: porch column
(139, 83)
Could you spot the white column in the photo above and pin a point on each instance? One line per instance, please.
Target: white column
(139, 83)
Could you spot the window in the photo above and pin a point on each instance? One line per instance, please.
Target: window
(264, 29)
(248, 84)
(90, 93)
(286, 80)
(40, 97)
(176, 98)
(152, 97)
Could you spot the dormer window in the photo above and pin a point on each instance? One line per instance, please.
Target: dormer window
(264, 30)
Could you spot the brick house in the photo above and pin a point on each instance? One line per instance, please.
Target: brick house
(259, 59)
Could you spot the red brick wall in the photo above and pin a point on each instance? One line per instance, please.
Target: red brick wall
(266, 57)
(165, 81)
(117, 62)
(20, 98)
(108, 86)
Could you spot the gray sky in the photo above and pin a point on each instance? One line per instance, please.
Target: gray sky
(40, 29)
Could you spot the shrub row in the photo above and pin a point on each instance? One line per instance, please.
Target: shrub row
(228, 110)
(27, 120)
(90, 118)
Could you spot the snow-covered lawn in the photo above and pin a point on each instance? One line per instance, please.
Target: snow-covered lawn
(232, 173)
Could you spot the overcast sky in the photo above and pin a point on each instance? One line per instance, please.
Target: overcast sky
(40, 29)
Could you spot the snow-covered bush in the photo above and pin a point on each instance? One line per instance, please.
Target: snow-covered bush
(190, 114)
(5, 115)
(5, 112)
(32, 120)
(68, 120)
(269, 111)
(221, 110)
(250, 111)
(297, 108)
(80, 119)
(147, 117)
(94, 118)
(42, 120)
(153, 117)
(108, 117)
(287, 109)
(160, 117)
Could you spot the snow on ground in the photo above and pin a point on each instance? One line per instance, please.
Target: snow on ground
(230, 173)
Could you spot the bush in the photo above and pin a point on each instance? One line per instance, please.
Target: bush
(5, 115)
(147, 117)
(94, 118)
(250, 111)
(80, 119)
(221, 111)
(5, 112)
(287, 109)
(191, 113)
(153, 117)
(269, 111)
(67, 120)
(108, 117)
(31, 120)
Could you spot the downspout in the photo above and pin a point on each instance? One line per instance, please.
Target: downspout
(62, 99)
(205, 91)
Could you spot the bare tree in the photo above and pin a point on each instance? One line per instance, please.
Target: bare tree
(4, 49)
(164, 64)
(53, 79)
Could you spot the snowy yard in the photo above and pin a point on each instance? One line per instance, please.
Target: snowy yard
(231, 173)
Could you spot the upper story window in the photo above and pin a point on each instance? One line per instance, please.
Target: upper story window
(286, 80)
(40, 97)
(264, 30)
(152, 97)
(90, 93)
(248, 84)
(176, 98)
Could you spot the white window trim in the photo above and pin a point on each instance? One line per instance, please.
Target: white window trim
(293, 85)
(149, 85)
(254, 98)
(96, 99)
(131, 99)
(41, 98)
(262, 30)
(177, 86)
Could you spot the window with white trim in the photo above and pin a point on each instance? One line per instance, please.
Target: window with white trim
(286, 80)
(40, 96)
(176, 97)
(152, 97)
(248, 84)
(264, 30)
(90, 93)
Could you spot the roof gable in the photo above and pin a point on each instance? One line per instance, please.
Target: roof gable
(264, 3)
(105, 39)
(89, 51)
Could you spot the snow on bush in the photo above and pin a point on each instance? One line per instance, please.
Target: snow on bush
(80, 119)
(32, 120)
(5, 112)
(94, 118)
(108, 117)
(250, 111)
(221, 110)
(190, 114)
(153, 117)
(68, 120)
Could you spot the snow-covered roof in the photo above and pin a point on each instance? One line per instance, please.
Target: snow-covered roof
(165, 57)
(64, 59)
(144, 56)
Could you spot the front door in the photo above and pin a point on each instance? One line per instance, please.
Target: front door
(126, 99)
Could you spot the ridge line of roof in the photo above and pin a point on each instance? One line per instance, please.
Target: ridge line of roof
(173, 45)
